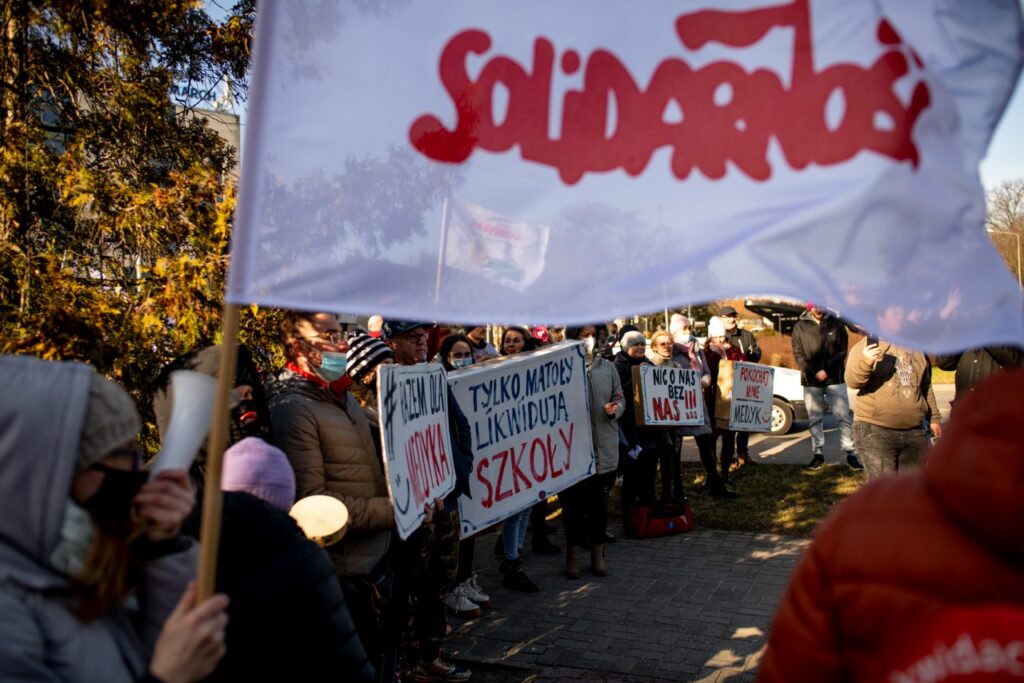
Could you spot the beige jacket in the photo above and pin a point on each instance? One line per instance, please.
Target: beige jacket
(327, 439)
(896, 392)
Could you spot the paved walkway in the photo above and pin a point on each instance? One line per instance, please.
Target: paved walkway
(693, 607)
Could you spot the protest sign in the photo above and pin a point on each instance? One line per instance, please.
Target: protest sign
(666, 396)
(415, 438)
(751, 405)
(530, 419)
(808, 149)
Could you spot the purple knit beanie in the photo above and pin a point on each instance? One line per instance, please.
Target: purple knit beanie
(255, 467)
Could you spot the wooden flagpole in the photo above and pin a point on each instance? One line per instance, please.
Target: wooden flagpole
(209, 536)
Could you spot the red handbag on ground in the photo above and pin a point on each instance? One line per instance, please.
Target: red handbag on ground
(651, 521)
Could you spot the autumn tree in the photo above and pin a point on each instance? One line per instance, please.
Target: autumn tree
(1005, 222)
(115, 196)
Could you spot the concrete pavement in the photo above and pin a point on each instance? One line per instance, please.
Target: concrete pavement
(692, 607)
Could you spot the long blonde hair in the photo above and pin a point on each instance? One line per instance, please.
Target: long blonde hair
(111, 571)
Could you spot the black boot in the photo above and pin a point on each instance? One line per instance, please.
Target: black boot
(543, 546)
(515, 578)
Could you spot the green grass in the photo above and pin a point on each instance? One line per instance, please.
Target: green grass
(943, 376)
(778, 499)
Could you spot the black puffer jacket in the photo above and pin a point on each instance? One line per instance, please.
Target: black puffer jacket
(744, 341)
(648, 438)
(976, 364)
(288, 619)
(820, 346)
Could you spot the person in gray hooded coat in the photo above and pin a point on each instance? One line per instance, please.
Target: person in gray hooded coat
(94, 578)
(586, 503)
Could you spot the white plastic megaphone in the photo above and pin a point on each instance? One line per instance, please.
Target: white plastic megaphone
(323, 519)
(191, 414)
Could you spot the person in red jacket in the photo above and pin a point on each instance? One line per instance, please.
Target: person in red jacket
(911, 550)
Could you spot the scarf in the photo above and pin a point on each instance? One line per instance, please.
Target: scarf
(691, 351)
(337, 387)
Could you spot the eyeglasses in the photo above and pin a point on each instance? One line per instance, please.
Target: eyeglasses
(416, 338)
(663, 344)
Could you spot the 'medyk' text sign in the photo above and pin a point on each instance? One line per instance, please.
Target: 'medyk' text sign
(530, 419)
(413, 404)
(667, 396)
(751, 408)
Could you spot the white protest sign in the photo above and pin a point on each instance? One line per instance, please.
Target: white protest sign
(415, 438)
(751, 407)
(530, 419)
(668, 396)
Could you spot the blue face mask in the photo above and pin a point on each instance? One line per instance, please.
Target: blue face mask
(461, 362)
(684, 337)
(332, 366)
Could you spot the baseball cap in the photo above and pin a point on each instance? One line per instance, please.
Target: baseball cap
(395, 328)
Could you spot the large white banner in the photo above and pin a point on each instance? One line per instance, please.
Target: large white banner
(530, 419)
(671, 152)
(415, 439)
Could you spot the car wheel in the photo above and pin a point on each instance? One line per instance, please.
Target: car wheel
(782, 417)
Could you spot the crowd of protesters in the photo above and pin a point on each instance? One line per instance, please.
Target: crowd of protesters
(96, 555)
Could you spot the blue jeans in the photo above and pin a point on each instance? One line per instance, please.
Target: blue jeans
(513, 534)
(814, 399)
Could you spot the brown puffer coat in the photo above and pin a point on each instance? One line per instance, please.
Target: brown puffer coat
(950, 534)
(328, 441)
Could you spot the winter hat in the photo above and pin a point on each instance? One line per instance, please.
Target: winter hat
(631, 339)
(715, 327)
(255, 467)
(540, 333)
(111, 420)
(364, 354)
(679, 322)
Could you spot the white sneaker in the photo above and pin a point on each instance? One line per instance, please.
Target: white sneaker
(472, 590)
(459, 604)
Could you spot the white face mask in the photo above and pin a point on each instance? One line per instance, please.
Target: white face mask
(75, 540)
(589, 343)
(683, 337)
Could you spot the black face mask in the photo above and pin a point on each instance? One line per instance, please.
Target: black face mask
(111, 505)
(245, 421)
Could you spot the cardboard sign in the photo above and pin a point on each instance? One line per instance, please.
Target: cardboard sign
(751, 406)
(415, 438)
(723, 394)
(530, 419)
(664, 396)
